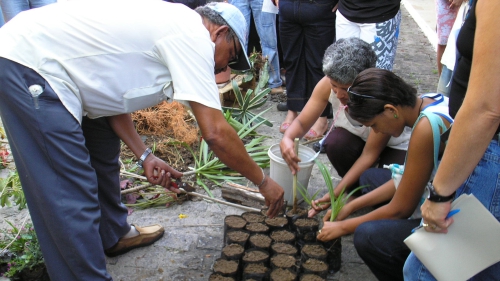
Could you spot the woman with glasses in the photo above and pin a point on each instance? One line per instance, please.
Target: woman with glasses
(384, 102)
(351, 150)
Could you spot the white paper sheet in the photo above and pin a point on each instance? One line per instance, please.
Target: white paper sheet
(471, 244)
(268, 7)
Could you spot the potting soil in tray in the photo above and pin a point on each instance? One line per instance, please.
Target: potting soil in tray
(226, 267)
(284, 236)
(306, 222)
(315, 266)
(260, 241)
(255, 271)
(264, 212)
(315, 251)
(299, 213)
(281, 274)
(312, 261)
(283, 261)
(255, 256)
(306, 229)
(253, 217)
(235, 222)
(257, 227)
(276, 222)
(239, 237)
(233, 252)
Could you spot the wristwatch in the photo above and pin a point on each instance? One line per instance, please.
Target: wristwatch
(143, 157)
(435, 197)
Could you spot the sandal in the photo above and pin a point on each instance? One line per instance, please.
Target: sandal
(284, 126)
(311, 135)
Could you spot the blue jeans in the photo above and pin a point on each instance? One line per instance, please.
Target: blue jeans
(307, 28)
(445, 81)
(380, 244)
(13, 7)
(265, 24)
(2, 21)
(484, 184)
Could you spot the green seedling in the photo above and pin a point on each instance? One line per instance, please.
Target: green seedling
(337, 203)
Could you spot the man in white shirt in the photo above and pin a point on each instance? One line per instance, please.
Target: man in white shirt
(70, 74)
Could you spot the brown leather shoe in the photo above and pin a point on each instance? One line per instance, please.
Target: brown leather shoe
(147, 236)
(276, 91)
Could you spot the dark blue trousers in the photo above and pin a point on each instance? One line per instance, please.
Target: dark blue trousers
(306, 29)
(69, 173)
(380, 244)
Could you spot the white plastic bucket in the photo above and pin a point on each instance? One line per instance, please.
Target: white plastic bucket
(281, 174)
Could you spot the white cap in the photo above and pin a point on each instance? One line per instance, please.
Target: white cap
(237, 23)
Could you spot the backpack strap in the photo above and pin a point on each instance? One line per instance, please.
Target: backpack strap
(438, 126)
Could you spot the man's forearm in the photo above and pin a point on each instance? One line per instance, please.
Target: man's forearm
(124, 128)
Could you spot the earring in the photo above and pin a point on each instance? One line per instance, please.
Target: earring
(396, 116)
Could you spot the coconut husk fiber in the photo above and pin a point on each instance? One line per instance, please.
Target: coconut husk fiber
(166, 119)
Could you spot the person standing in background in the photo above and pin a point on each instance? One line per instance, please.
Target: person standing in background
(13, 7)
(307, 28)
(265, 23)
(446, 12)
(376, 22)
(449, 56)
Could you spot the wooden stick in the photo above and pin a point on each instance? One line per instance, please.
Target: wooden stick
(235, 185)
(137, 188)
(296, 147)
(312, 140)
(126, 173)
(195, 225)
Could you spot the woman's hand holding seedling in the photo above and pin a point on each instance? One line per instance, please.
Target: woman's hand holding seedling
(288, 153)
(331, 230)
(319, 205)
(343, 213)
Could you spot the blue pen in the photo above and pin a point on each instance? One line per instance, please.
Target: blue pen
(450, 214)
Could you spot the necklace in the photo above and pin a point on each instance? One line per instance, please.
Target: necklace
(421, 104)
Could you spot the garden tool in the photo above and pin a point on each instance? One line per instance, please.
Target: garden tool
(178, 183)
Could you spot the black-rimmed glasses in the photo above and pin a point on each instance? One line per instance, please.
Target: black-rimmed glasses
(235, 58)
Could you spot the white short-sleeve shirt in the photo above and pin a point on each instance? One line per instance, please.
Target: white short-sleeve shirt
(400, 142)
(109, 57)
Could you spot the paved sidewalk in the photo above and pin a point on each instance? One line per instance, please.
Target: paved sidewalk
(191, 245)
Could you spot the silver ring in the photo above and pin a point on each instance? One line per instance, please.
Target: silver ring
(319, 231)
(425, 225)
